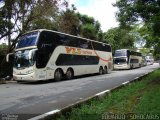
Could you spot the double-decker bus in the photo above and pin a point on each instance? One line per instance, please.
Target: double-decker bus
(150, 60)
(45, 54)
(127, 59)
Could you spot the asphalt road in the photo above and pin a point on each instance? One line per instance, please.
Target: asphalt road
(34, 99)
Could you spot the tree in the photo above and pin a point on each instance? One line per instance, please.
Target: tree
(68, 21)
(119, 38)
(88, 31)
(20, 15)
(77, 24)
(3, 49)
(135, 11)
(89, 27)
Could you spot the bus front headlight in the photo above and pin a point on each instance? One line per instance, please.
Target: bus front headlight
(29, 72)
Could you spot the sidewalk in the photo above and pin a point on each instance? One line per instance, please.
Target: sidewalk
(2, 81)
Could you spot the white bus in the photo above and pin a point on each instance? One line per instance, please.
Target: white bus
(127, 59)
(150, 60)
(45, 54)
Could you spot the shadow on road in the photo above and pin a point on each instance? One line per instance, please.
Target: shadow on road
(53, 81)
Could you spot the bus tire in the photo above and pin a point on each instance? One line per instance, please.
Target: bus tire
(69, 74)
(101, 70)
(131, 67)
(105, 70)
(58, 75)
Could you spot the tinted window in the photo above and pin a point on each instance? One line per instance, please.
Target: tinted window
(120, 53)
(47, 43)
(101, 47)
(68, 59)
(135, 53)
(134, 61)
(55, 39)
(119, 60)
(26, 40)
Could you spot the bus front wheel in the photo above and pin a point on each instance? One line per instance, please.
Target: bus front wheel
(58, 75)
(69, 74)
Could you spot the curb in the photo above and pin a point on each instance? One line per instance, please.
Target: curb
(2, 82)
(5, 82)
(55, 113)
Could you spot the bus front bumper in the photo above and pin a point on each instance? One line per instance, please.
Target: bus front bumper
(117, 67)
(24, 77)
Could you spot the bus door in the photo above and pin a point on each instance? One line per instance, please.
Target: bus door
(41, 62)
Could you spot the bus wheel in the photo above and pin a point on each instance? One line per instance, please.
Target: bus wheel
(58, 75)
(131, 67)
(101, 70)
(69, 74)
(105, 70)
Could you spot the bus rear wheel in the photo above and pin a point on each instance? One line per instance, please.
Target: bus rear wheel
(101, 70)
(69, 74)
(105, 70)
(58, 75)
(131, 66)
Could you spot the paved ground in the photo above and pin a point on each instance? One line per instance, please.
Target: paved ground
(38, 98)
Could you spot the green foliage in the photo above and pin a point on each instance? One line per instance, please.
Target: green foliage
(3, 49)
(157, 52)
(43, 23)
(119, 38)
(68, 22)
(89, 27)
(145, 51)
(131, 11)
(88, 31)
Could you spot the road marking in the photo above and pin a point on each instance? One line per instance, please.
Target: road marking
(103, 92)
(52, 112)
(125, 83)
(136, 78)
(45, 115)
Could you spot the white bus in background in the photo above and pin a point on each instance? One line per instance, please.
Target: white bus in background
(150, 60)
(127, 59)
(44, 54)
(144, 60)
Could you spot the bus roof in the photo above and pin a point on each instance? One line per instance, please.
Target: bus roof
(122, 49)
(40, 30)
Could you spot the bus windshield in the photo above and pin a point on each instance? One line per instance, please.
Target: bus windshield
(120, 53)
(120, 60)
(27, 40)
(22, 59)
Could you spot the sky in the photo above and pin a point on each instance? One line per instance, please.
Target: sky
(101, 10)
(1, 3)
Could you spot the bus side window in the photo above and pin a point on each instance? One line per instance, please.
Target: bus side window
(41, 59)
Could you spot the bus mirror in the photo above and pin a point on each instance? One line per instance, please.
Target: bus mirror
(31, 53)
(8, 57)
